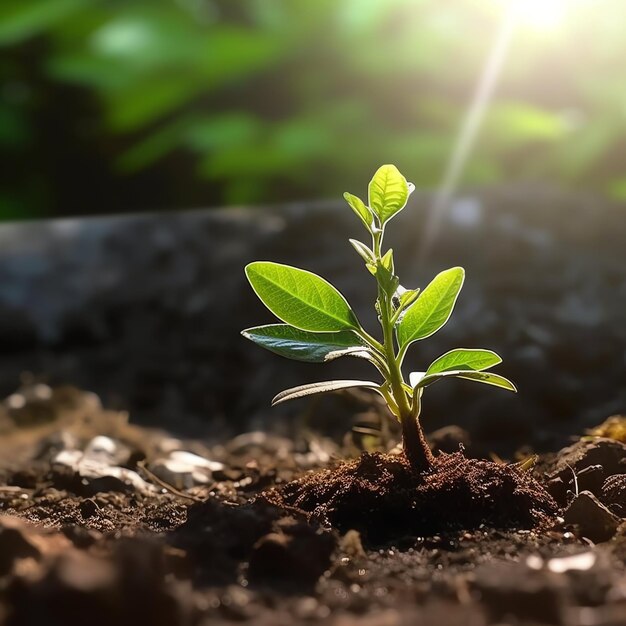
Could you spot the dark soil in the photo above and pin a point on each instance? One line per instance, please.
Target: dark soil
(274, 537)
(380, 496)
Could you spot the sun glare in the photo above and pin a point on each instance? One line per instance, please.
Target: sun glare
(546, 15)
(542, 14)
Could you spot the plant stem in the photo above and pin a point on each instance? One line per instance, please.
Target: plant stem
(376, 345)
(414, 443)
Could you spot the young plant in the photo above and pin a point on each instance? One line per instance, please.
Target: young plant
(319, 324)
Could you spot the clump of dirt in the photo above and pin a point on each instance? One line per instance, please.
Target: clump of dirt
(382, 497)
(277, 547)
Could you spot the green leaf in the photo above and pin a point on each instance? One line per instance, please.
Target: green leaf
(386, 279)
(403, 298)
(314, 388)
(464, 359)
(302, 345)
(433, 307)
(388, 192)
(300, 298)
(362, 212)
(387, 260)
(362, 250)
(419, 379)
(489, 379)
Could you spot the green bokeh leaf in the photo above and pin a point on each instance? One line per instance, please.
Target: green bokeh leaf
(21, 19)
(302, 345)
(314, 388)
(388, 192)
(300, 298)
(433, 307)
(464, 358)
(132, 71)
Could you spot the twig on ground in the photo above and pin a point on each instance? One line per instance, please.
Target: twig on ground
(165, 485)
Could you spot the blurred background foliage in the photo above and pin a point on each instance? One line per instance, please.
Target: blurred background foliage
(126, 105)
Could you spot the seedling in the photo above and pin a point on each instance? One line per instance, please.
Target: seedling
(319, 324)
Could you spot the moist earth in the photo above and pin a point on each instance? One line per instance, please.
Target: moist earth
(134, 526)
(383, 498)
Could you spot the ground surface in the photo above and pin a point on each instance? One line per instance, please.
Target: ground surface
(381, 496)
(87, 530)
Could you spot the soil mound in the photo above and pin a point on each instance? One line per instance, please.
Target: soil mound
(382, 497)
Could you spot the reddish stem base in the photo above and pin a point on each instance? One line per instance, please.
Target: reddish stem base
(415, 447)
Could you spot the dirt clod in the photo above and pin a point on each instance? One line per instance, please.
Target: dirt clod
(593, 519)
(382, 497)
(126, 589)
(513, 589)
(295, 553)
(609, 454)
(614, 494)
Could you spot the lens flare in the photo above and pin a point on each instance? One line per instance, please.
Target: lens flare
(542, 14)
